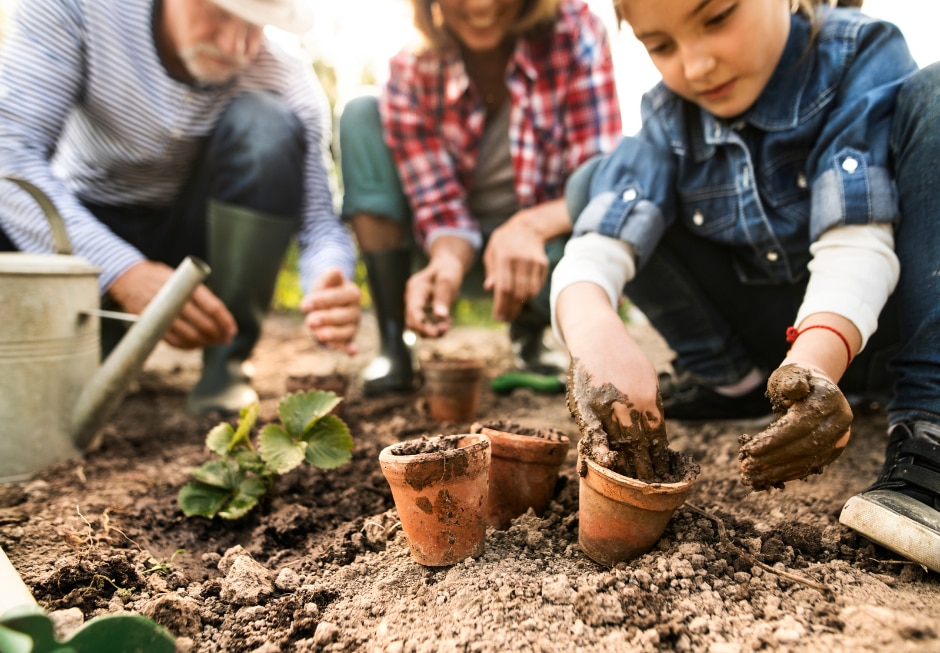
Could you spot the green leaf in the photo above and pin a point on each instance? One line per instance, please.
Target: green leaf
(279, 450)
(245, 498)
(301, 409)
(220, 438)
(223, 474)
(196, 498)
(329, 443)
(250, 461)
(246, 421)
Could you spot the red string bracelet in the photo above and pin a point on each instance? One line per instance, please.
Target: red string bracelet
(793, 334)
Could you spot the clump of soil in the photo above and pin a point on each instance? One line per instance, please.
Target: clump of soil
(615, 435)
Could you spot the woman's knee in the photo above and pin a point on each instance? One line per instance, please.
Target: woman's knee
(370, 177)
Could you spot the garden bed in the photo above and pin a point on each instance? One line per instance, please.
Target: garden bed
(325, 566)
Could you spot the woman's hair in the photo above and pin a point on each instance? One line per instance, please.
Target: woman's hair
(428, 20)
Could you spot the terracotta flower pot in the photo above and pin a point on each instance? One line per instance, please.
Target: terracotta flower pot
(452, 388)
(523, 470)
(440, 485)
(621, 518)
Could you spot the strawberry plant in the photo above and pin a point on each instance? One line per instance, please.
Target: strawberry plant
(232, 484)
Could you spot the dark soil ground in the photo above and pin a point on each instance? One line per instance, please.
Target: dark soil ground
(324, 566)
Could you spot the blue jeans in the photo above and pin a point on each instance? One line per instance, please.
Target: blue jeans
(254, 158)
(721, 327)
(372, 186)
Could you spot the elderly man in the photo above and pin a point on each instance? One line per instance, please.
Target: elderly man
(167, 128)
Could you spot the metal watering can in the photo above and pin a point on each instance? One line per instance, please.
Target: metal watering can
(54, 392)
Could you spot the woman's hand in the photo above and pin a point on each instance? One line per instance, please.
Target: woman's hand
(811, 431)
(516, 267)
(515, 260)
(332, 311)
(431, 291)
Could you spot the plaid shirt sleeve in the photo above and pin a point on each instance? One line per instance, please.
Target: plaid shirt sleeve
(412, 111)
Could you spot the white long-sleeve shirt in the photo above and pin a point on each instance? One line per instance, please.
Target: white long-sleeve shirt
(87, 110)
(853, 272)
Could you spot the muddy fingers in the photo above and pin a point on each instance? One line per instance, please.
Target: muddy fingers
(811, 432)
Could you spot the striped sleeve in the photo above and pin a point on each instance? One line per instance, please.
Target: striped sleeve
(41, 77)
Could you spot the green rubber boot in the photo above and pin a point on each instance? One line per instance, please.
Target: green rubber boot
(246, 248)
(392, 369)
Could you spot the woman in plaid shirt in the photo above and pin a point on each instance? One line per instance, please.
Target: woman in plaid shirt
(470, 143)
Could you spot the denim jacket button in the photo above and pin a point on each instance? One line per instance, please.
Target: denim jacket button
(801, 180)
(698, 218)
(850, 164)
(628, 195)
(772, 256)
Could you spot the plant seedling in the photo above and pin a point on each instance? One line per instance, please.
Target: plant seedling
(232, 485)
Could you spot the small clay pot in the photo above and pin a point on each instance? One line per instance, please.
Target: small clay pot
(440, 485)
(621, 518)
(523, 470)
(452, 388)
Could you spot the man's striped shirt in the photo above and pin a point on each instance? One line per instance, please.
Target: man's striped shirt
(87, 110)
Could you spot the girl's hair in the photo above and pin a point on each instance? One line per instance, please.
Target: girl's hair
(805, 7)
(428, 20)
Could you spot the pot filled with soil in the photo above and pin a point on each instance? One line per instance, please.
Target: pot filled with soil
(439, 485)
(523, 468)
(452, 387)
(630, 481)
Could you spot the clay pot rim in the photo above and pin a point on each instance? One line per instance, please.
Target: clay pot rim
(467, 444)
(452, 363)
(528, 448)
(611, 479)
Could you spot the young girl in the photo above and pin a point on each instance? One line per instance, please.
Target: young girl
(780, 190)
(469, 146)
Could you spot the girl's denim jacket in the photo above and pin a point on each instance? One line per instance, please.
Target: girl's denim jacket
(811, 153)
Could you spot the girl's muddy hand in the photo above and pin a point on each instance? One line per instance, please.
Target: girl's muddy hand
(811, 430)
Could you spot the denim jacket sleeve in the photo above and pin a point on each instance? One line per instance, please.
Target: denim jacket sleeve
(848, 169)
(631, 190)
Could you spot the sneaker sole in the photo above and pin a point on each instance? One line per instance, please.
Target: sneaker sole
(896, 522)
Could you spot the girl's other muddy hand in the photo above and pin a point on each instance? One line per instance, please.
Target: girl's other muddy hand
(811, 431)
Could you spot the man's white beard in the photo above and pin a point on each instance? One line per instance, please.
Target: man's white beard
(204, 61)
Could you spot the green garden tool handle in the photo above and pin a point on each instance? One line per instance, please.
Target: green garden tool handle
(26, 628)
(542, 383)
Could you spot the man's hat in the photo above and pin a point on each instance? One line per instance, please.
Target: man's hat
(291, 15)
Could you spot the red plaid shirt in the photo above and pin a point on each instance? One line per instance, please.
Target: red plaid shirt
(564, 110)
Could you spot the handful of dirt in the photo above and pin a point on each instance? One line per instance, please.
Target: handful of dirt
(616, 435)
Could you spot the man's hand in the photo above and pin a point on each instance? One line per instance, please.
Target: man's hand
(516, 267)
(811, 431)
(203, 321)
(332, 308)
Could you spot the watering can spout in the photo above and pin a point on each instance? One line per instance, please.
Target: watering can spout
(106, 388)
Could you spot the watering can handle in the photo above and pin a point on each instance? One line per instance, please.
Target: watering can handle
(60, 236)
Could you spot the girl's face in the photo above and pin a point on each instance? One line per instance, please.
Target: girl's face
(719, 54)
(480, 25)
